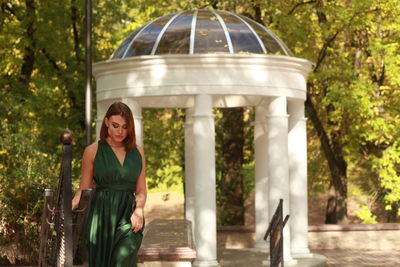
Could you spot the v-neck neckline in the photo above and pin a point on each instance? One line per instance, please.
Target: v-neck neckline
(116, 157)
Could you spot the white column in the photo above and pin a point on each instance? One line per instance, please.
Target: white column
(189, 171)
(102, 108)
(277, 125)
(99, 120)
(204, 176)
(261, 177)
(298, 179)
(137, 117)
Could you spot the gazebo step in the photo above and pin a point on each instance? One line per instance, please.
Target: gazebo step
(167, 243)
(165, 264)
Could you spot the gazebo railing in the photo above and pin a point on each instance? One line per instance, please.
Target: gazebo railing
(275, 232)
(61, 228)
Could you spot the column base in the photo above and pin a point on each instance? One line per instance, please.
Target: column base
(286, 263)
(165, 264)
(205, 263)
(301, 253)
(261, 246)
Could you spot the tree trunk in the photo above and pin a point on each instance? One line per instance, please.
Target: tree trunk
(232, 173)
(29, 53)
(336, 211)
(392, 214)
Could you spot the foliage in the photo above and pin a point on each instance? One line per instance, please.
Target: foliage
(354, 87)
(318, 171)
(235, 185)
(388, 166)
(366, 215)
(41, 82)
(25, 171)
(164, 146)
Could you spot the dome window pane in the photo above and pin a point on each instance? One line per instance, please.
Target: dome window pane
(271, 44)
(209, 36)
(144, 42)
(243, 39)
(119, 53)
(176, 38)
(201, 32)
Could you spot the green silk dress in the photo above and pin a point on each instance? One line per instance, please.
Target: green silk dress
(110, 239)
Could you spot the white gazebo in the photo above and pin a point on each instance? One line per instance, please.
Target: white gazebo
(202, 59)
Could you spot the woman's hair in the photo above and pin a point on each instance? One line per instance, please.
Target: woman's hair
(119, 108)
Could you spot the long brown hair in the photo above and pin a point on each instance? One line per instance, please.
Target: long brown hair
(119, 108)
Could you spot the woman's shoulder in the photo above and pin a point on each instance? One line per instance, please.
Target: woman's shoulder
(91, 150)
(140, 149)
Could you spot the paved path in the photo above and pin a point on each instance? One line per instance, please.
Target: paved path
(361, 258)
(240, 258)
(335, 258)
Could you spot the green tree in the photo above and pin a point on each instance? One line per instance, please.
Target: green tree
(230, 142)
(164, 146)
(353, 98)
(41, 89)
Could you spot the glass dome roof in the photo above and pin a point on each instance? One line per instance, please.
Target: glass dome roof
(201, 32)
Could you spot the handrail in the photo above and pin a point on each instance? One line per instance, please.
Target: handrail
(275, 233)
(61, 228)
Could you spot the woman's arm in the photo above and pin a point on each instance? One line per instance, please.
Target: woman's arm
(87, 172)
(140, 195)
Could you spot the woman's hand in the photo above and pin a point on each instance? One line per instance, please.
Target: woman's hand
(76, 200)
(137, 220)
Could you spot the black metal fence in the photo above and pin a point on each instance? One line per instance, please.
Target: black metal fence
(275, 232)
(61, 228)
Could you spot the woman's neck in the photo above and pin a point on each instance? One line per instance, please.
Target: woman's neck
(114, 144)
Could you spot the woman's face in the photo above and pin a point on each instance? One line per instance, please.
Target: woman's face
(117, 128)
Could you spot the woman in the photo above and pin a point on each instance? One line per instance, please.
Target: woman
(117, 166)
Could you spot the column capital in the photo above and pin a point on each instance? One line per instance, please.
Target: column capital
(203, 116)
(277, 106)
(298, 118)
(277, 116)
(296, 108)
(189, 117)
(202, 105)
(260, 112)
(137, 117)
(134, 106)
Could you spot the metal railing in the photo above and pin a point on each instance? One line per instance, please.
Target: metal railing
(275, 232)
(61, 228)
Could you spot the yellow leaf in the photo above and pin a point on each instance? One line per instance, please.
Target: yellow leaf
(347, 259)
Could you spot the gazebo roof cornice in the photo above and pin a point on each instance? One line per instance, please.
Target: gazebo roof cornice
(172, 80)
(176, 61)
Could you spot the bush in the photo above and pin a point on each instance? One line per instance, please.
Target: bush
(366, 215)
(25, 172)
